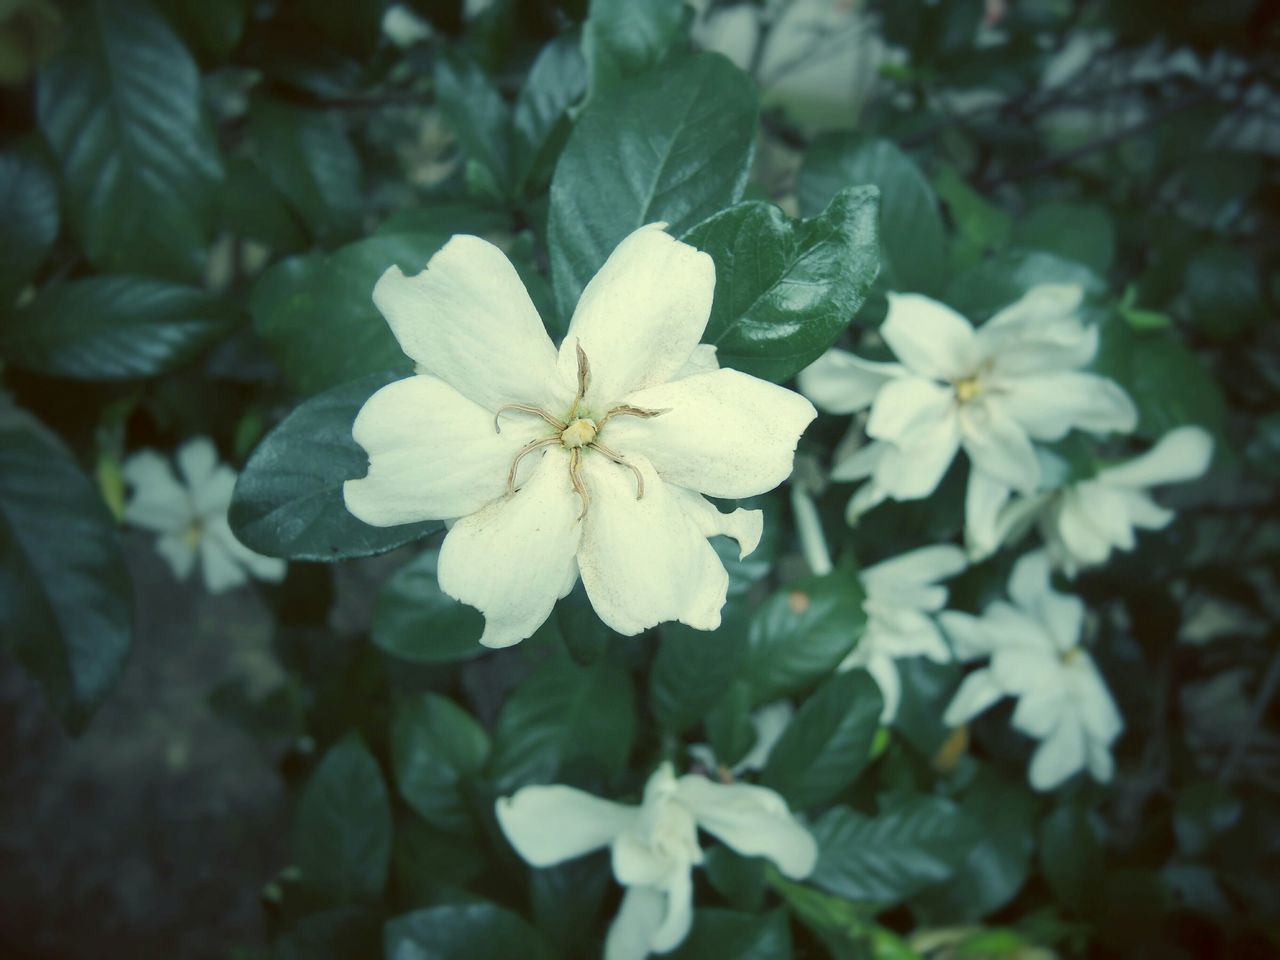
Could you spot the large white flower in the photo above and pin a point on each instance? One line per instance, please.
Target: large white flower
(1082, 522)
(991, 391)
(654, 846)
(190, 516)
(1034, 646)
(902, 594)
(593, 461)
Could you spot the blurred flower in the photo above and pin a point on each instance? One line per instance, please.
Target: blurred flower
(901, 594)
(1034, 646)
(991, 391)
(770, 722)
(593, 461)
(654, 847)
(190, 516)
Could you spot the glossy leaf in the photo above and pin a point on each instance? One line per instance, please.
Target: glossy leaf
(212, 28)
(436, 747)
(621, 38)
(718, 934)
(415, 620)
(28, 218)
(480, 119)
(556, 82)
(692, 669)
(463, 931)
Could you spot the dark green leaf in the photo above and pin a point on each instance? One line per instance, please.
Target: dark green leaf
(585, 636)
(113, 328)
(212, 28)
(1224, 292)
(675, 146)
(342, 831)
(828, 743)
(621, 38)
(429, 863)
(692, 669)
(557, 80)
(730, 730)
(65, 597)
(120, 105)
(719, 934)
(288, 500)
(436, 747)
(1071, 856)
(480, 119)
(998, 282)
(740, 880)
(911, 233)
(1079, 232)
(345, 933)
(28, 218)
(251, 207)
(567, 897)
(415, 620)
(463, 931)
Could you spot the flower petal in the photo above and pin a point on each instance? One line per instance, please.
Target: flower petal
(270, 569)
(1040, 306)
(744, 526)
(754, 821)
(907, 407)
(703, 360)
(910, 473)
(770, 723)
(839, 382)
(630, 935)
(178, 552)
(1059, 755)
(641, 316)
(930, 338)
(211, 496)
(512, 560)
(678, 917)
(885, 673)
(860, 464)
(1060, 613)
(433, 454)
(998, 446)
(218, 567)
(726, 434)
(158, 502)
(197, 461)
(644, 560)
(550, 824)
(900, 579)
(1182, 454)
(984, 498)
(1049, 405)
(468, 320)
(978, 692)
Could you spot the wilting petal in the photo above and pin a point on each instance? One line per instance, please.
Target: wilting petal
(930, 338)
(998, 446)
(1181, 454)
(752, 820)
(744, 526)
(1060, 613)
(551, 824)
(725, 433)
(433, 454)
(641, 316)
(839, 382)
(644, 561)
(1101, 765)
(910, 473)
(978, 692)
(1049, 405)
(1059, 755)
(1098, 711)
(908, 407)
(218, 567)
(158, 501)
(511, 560)
(631, 933)
(468, 320)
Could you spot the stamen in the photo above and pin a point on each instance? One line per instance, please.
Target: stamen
(626, 410)
(526, 408)
(575, 477)
(584, 379)
(619, 459)
(527, 449)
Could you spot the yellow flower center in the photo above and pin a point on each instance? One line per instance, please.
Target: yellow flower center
(195, 530)
(579, 433)
(1070, 657)
(968, 388)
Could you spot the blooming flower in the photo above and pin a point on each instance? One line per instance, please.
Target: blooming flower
(991, 391)
(654, 846)
(901, 594)
(1034, 646)
(770, 722)
(190, 516)
(1082, 522)
(593, 461)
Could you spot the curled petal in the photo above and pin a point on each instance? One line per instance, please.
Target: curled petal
(1181, 454)
(754, 821)
(744, 526)
(550, 824)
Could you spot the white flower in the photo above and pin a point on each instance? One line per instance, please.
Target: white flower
(770, 722)
(1082, 522)
(606, 448)
(1034, 646)
(901, 594)
(654, 847)
(191, 516)
(991, 391)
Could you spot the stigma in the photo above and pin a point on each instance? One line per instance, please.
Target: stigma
(579, 433)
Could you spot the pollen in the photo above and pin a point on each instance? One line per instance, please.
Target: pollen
(579, 433)
(968, 388)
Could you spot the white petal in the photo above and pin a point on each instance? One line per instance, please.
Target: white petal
(725, 433)
(1144, 512)
(978, 692)
(218, 567)
(211, 497)
(904, 632)
(998, 446)
(1061, 614)
(744, 526)
(702, 360)
(839, 382)
(641, 316)
(158, 501)
(984, 497)
(930, 338)
(1036, 716)
(550, 824)
(1059, 756)
(468, 320)
(866, 497)
(770, 723)
(433, 454)
(511, 560)
(270, 569)
(752, 820)
(1098, 711)
(1041, 305)
(630, 935)
(179, 552)
(1182, 454)
(1049, 405)
(860, 464)
(1101, 765)
(900, 577)
(908, 406)
(197, 460)
(678, 917)
(885, 673)
(644, 561)
(910, 473)
(1077, 532)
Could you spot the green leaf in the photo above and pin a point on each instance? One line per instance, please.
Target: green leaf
(65, 596)
(740, 880)
(28, 218)
(415, 620)
(911, 234)
(557, 80)
(212, 28)
(801, 633)
(308, 157)
(251, 207)
(621, 38)
(1224, 292)
(995, 283)
(1071, 856)
(675, 146)
(429, 864)
(288, 499)
(344, 933)
(342, 830)
(113, 328)
(1080, 232)
(566, 898)
(463, 931)
(729, 727)
(317, 315)
(786, 289)
(480, 119)
(560, 714)
(436, 748)
(828, 744)
(718, 934)
(120, 106)
(915, 841)
(692, 669)
(981, 225)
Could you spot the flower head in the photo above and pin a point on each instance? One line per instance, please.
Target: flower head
(654, 847)
(190, 516)
(1035, 655)
(593, 461)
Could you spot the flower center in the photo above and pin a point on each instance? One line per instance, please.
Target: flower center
(1070, 657)
(195, 530)
(580, 433)
(968, 388)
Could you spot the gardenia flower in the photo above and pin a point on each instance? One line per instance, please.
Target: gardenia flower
(654, 846)
(1082, 522)
(991, 391)
(901, 595)
(1034, 646)
(592, 462)
(190, 516)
